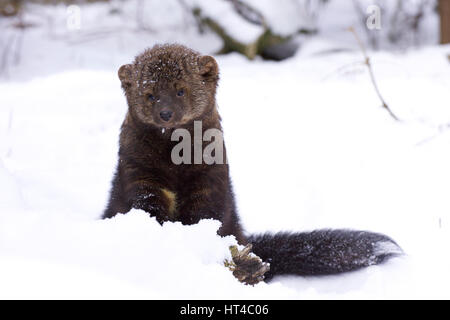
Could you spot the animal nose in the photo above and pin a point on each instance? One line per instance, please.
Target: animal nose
(166, 115)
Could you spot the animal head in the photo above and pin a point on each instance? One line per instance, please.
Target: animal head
(170, 85)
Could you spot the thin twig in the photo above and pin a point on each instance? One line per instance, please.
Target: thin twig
(18, 46)
(5, 55)
(440, 130)
(22, 25)
(372, 76)
(342, 69)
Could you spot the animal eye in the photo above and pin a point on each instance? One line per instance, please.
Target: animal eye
(151, 97)
(180, 93)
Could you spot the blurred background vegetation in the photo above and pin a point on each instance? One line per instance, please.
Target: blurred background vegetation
(252, 28)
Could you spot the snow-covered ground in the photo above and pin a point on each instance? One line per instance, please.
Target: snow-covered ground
(333, 156)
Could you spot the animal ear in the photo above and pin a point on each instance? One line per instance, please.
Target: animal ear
(208, 67)
(125, 73)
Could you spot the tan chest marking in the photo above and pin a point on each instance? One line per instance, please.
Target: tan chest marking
(172, 201)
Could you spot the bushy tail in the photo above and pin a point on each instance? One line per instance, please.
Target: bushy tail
(322, 252)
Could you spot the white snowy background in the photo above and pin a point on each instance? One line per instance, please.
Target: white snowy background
(312, 125)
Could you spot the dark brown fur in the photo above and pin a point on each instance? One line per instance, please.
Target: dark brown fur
(146, 177)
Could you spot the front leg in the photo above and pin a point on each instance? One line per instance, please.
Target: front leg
(200, 204)
(151, 198)
(204, 196)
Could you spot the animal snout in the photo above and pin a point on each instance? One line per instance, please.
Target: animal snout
(166, 115)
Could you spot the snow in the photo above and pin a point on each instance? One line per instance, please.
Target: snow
(235, 26)
(285, 18)
(312, 125)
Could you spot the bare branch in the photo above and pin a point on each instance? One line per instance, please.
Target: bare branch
(372, 76)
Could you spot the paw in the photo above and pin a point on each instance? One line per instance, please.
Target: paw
(153, 205)
(246, 266)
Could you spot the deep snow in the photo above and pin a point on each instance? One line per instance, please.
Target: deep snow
(334, 159)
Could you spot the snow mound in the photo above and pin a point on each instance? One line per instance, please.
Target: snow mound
(128, 256)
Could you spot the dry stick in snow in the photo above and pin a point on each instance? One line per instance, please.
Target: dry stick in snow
(372, 76)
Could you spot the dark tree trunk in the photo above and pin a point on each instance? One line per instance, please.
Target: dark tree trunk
(444, 12)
